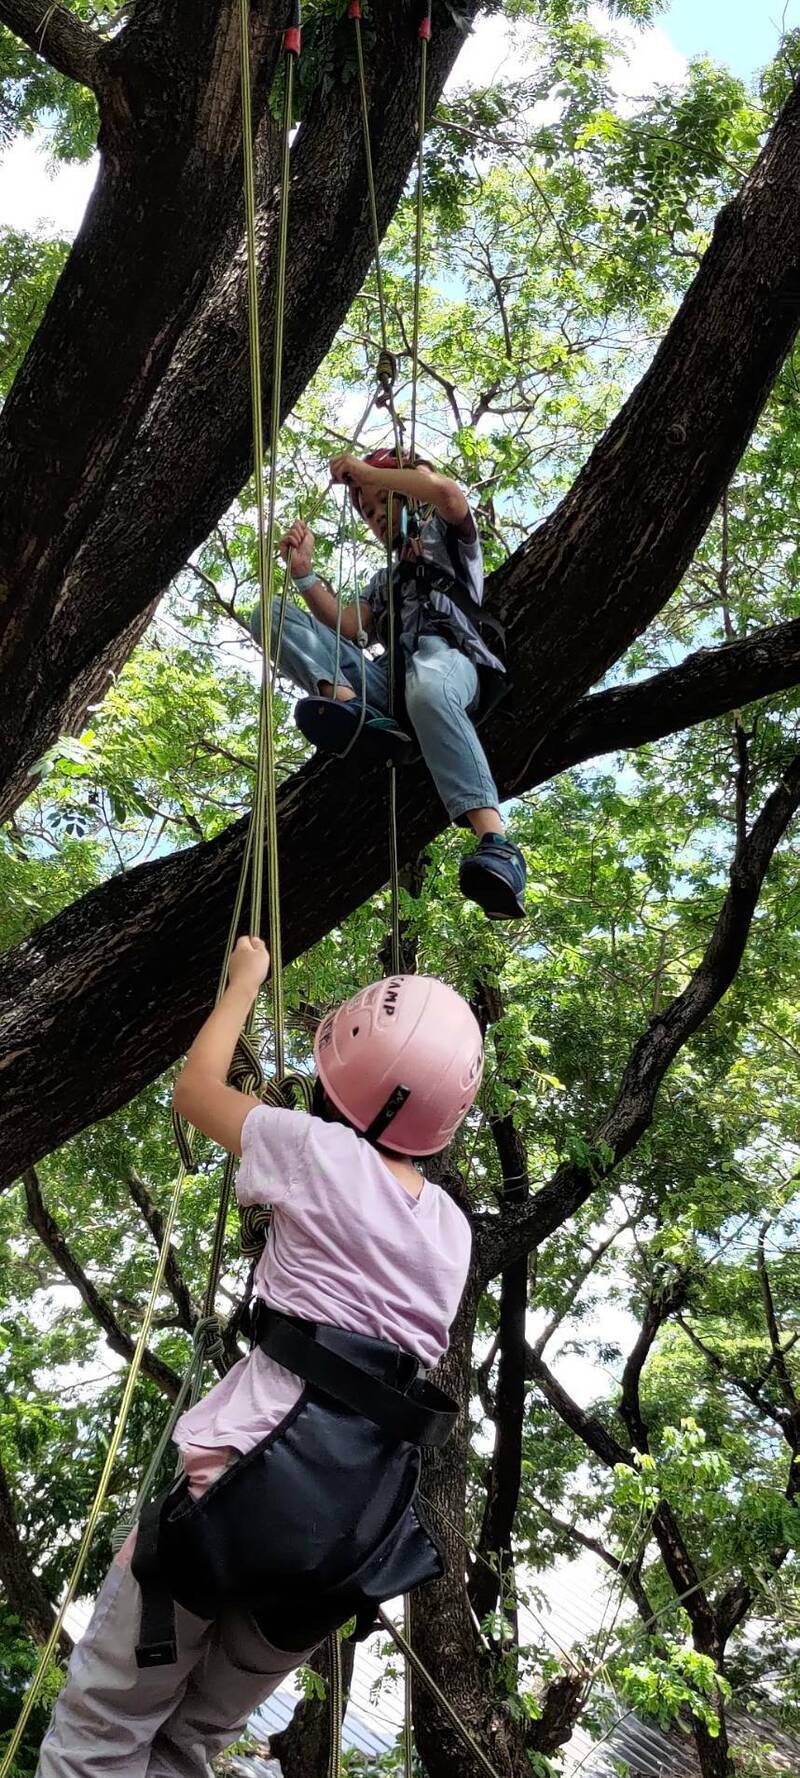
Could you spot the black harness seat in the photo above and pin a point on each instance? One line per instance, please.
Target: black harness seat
(318, 1523)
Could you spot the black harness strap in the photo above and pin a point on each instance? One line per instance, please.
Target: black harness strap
(157, 1645)
(421, 1415)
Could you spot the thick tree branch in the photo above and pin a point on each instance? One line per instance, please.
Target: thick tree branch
(49, 1233)
(660, 1305)
(706, 684)
(591, 1431)
(500, 1238)
(97, 967)
(56, 34)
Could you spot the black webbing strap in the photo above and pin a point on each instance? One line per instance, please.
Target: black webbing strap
(157, 1645)
(423, 1415)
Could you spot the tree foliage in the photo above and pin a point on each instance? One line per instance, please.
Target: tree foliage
(562, 229)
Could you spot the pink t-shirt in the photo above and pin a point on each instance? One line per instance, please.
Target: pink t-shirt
(347, 1245)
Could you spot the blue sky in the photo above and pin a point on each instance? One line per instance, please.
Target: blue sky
(743, 33)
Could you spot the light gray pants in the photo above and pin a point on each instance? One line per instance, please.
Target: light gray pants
(441, 687)
(113, 1717)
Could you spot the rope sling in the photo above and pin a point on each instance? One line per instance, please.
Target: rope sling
(262, 834)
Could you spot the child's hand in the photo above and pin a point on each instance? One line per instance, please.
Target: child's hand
(349, 469)
(249, 965)
(300, 541)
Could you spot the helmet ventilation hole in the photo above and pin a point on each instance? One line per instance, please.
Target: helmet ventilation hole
(356, 1029)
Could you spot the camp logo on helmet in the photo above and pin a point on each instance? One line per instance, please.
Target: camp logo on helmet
(391, 996)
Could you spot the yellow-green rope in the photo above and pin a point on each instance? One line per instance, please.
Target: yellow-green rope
(263, 822)
(266, 813)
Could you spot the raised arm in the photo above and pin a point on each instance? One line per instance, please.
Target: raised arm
(201, 1090)
(422, 484)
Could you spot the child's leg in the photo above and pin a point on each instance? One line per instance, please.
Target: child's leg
(109, 1709)
(441, 685)
(308, 655)
(239, 1670)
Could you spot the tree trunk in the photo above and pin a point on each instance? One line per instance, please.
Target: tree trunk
(442, 1630)
(127, 431)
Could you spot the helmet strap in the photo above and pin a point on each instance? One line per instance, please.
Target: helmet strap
(394, 1103)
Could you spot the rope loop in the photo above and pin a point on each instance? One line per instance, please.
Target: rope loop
(245, 1071)
(386, 368)
(254, 1223)
(208, 1338)
(180, 1130)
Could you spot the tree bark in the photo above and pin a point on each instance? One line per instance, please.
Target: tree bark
(442, 1630)
(56, 34)
(127, 431)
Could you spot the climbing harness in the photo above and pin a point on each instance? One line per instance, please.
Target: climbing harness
(271, 1536)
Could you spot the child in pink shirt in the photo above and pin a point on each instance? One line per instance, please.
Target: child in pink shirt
(296, 1509)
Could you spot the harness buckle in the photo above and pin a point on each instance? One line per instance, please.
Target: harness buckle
(157, 1654)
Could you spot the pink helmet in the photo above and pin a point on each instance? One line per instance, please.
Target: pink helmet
(407, 1052)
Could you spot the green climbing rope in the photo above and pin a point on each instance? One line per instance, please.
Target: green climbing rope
(424, 37)
(265, 826)
(263, 823)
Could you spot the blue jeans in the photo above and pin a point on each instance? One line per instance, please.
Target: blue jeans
(441, 684)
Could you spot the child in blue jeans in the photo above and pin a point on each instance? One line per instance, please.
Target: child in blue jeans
(441, 652)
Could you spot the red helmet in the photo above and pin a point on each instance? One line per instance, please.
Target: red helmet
(404, 1056)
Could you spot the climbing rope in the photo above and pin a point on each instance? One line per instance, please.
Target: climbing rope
(263, 824)
(424, 39)
(448, 1709)
(335, 1706)
(408, 1719)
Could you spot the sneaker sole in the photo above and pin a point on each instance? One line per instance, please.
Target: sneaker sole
(332, 726)
(479, 883)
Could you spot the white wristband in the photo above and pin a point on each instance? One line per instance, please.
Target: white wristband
(304, 581)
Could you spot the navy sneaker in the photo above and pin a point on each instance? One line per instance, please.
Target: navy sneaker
(494, 875)
(333, 724)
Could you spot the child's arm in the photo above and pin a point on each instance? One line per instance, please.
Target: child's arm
(422, 484)
(320, 597)
(201, 1090)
